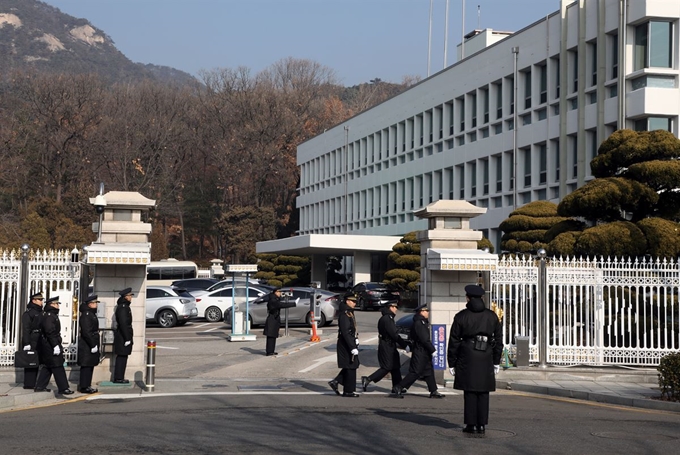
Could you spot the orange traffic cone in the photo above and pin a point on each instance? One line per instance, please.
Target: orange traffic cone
(315, 338)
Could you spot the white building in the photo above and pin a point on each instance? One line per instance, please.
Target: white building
(532, 107)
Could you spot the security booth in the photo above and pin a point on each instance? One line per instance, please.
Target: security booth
(240, 322)
(450, 261)
(118, 260)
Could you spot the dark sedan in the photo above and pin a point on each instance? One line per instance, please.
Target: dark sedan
(195, 284)
(372, 295)
(404, 325)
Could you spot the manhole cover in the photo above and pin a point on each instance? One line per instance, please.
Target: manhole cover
(633, 436)
(210, 386)
(489, 434)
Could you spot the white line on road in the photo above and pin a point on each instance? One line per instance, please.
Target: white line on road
(125, 396)
(318, 363)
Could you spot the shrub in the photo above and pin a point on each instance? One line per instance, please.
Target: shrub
(669, 376)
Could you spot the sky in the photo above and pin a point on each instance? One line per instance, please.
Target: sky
(359, 39)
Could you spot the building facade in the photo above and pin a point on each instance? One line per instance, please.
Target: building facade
(517, 121)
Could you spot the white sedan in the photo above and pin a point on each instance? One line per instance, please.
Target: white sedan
(214, 304)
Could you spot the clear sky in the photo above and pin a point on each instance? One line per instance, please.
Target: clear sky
(359, 39)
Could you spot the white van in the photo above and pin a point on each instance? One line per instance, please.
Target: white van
(163, 273)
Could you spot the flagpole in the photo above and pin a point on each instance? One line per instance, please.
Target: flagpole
(462, 34)
(429, 42)
(446, 34)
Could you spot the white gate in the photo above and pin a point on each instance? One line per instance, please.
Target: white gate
(49, 272)
(598, 312)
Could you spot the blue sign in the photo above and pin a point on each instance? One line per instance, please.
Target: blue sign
(438, 337)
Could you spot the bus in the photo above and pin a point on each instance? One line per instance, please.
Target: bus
(163, 273)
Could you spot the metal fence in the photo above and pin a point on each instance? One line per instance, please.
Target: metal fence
(597, 311)
(49, 272)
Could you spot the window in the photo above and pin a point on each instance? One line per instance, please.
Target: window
(527, 167)
(498, 161)
(653, 123)
(556, 148)
(574, 156)
(461, 112)
(557, 77)
(574, 64)
(473, 108)
(473, 179)
(499, 100)
(527, 89)
(615, 56)
(653, 45)
(653, 81)
(485, 104)
(512, 95)
(526, 119)
(461, 182)
(498, 128)
(542, 164)
(485, 177)
(541, 114)
(593, 60)
(543, 84)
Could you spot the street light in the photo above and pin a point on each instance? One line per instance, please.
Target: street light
(515, 52)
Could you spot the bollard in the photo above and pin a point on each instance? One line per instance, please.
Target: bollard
(150, 365)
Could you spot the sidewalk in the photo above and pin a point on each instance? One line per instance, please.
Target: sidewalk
(617, 386)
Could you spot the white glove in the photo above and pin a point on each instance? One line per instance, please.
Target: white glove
(434, 354)
(496, 369)
(56, 350)
(94, 350)
(27, 347)
(452, 371)
(407, 349)
(355, 352)
(127, 343)
(356, 340)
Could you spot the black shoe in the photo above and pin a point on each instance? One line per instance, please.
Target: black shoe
(88, 390)
(436, 394)
(269, 353)
(481, 429)
(334, 385)
(469, 429)
(29, 387)
(38, 389)
(365, 381)
(396, 393)
(403, 391)
(121, 381)
(66, 392)
(350, 394)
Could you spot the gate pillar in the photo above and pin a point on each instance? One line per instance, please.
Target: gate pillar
(450, 260)
(119, 258)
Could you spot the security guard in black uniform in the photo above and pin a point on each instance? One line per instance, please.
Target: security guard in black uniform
(273, 323)
(30, 334)
(88, 344)
(51, 350)
(122, 335)
(474, 355)
(347, 349)
(421, 359)
(388, 341)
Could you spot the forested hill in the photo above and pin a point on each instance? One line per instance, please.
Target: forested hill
(37, 36)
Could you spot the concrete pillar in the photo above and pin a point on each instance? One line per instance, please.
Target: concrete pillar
(119, 262)
(450, 260)
(362, 266)
(319, 269)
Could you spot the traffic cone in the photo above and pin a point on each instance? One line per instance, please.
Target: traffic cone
(315, 338)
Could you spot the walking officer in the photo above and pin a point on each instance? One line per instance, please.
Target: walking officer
(51, 351)
(30, 334)
(273, 323)
(122, 335)
(421, 358)
(474, 356)
(88, 344)
(347, 349)
(388, 341)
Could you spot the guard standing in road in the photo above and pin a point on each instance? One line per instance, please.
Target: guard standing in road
(88, 344)
(347, 349)
(388, 356)
(30, 334)
(421, 359)
(474, 356)
(122, 335)
(273, 323)
(51, 351)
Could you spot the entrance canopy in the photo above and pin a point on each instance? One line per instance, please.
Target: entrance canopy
(328, 244)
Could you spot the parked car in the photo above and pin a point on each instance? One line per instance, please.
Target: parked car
(228, 283)
(372, 295)
(329, 302)
(214, 304)
(195, 284)
(169, 306)
(404, 325)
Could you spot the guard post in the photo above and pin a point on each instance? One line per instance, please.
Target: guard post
(240, 325)
(150, 365)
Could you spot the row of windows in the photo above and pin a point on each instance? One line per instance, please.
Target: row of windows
(490, 109)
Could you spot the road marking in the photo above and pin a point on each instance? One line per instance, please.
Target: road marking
(318, 363)
(126, 396)
(206, 331)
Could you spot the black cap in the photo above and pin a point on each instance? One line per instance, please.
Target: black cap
(52, 300)
(421, 307)
(92, 298)
(392, 304)
(125, 292)
(474, 290)
(38, 296)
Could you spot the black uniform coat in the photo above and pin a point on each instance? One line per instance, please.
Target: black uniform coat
(89, 337)
(51, 337)
(30, 326)
(123, 330)
(474, 369)
(273, 322)
(389, 339)
(347, 336)
(421, 358)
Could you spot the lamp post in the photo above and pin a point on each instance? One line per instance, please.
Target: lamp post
(542, 310)
(429, 42)
(515, 53)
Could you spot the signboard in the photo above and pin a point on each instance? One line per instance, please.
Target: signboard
(241, 268)
(439, 341)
